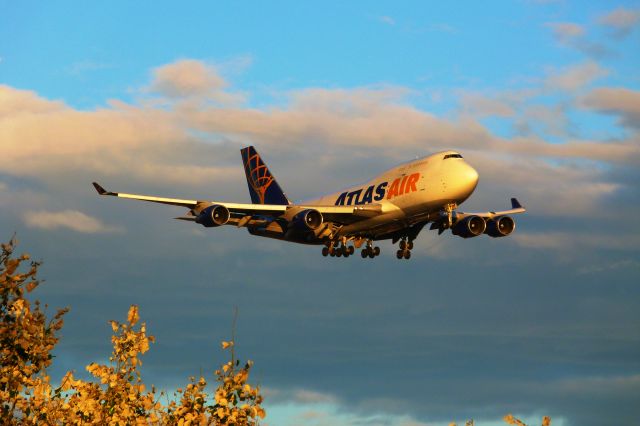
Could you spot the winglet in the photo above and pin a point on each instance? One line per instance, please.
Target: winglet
(515, 204)
(101, 190)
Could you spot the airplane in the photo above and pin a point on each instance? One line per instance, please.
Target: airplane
(394, 205)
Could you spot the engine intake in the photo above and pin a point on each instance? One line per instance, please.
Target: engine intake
(469, 227)
(307, 220)
(215, 215)
(500, 226)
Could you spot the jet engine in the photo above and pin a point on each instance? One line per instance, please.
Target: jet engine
(307, 220)
(215, 215)
(500, 226)
(469, 227)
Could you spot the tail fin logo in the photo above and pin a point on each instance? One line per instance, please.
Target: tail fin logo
(258, 174)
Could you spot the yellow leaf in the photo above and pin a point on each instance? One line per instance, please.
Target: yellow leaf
(133, 316)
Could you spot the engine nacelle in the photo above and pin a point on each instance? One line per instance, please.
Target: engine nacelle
(215, 215)
(469, 227)
(500, 226)
(307, 220)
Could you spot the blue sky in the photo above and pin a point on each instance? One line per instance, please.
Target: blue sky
(541, 97)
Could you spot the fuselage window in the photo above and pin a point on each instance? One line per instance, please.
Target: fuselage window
(452, 156)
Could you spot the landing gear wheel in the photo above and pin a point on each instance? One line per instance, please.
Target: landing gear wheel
(410, 245)
(403, 245)
(407, 254)
(363, 253)
(399, 254)
(325, 251)
(371, 254)
(351, 250)
(339, 253)
(376, 251)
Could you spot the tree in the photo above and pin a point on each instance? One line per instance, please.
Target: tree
(117, 395)
(26, 340)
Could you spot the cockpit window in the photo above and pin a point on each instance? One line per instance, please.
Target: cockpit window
(452, 156)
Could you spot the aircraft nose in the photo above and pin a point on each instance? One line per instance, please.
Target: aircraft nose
(468, 179)
(472, 175)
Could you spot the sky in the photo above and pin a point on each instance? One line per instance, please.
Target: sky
(541, 97)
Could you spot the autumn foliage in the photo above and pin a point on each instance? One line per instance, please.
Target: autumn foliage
(116, 394)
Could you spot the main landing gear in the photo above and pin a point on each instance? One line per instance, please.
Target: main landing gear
(370, 251)
(405, 249)
(335, 249)
(341, 249)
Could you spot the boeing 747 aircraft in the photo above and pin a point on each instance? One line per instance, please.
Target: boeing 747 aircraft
(395, 205)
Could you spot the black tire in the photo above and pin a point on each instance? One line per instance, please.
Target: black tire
(376, 251)
(339, 253)
(363, 253)
(371, 254)
(399, 254)
(325, 251)
(352, 250)
(403, 244)
(407, 255)
(410, 245)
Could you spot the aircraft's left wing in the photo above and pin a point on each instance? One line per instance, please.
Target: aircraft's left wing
(516, 208)
(344, 214)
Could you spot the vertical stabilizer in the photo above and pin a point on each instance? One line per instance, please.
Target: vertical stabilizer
(263, 187)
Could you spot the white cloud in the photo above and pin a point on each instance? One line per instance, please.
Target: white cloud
(621, 21)
(619, 101)
(188, 78)
(572, 35)
(69, 219)
(565, 32)
(574, 77)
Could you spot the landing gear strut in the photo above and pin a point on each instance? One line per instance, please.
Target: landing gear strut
(370, 251)
(405, 249)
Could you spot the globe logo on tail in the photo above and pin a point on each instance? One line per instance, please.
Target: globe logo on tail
(258, 175)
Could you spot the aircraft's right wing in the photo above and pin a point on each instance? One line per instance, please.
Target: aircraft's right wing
(339, 214)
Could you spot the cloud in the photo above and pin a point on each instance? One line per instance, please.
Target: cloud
(184, 146)
(15, 102)
(189, 78)
(574, 77)
(572, 35)
(620, 21)
(69, 219)
(619, 101)
(566, 32)
(43, 138)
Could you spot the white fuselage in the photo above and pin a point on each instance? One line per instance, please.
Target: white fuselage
(408, 193)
